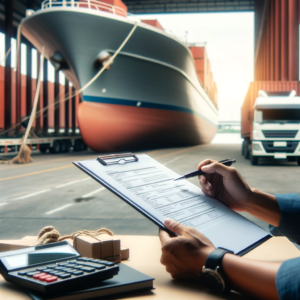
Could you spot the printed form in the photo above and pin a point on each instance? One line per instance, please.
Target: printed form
(149, 186)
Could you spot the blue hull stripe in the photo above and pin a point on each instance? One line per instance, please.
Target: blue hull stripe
(143, 104)
(134, 103)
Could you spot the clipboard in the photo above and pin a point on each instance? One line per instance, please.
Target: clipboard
(129, 158)
(110, 159)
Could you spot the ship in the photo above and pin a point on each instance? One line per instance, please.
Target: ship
(149, 97)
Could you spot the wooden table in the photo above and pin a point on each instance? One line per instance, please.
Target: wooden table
(145, 257)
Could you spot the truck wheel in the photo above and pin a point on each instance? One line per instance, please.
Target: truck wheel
(243, 146)
(63, 146)
(68, 146)
(298, 161)
(56, 147)
(43, 148)
(77, 145)
(253, 159)
(83, 146)
(246, 149)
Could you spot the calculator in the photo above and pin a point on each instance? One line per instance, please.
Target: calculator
(54, 267)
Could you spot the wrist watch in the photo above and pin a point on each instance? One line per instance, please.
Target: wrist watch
(212, 275)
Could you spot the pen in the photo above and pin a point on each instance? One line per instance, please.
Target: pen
(227, 162)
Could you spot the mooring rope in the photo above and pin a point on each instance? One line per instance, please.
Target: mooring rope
(110, 60)
(36, 98)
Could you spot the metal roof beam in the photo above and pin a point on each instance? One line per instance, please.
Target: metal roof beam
(184, 6)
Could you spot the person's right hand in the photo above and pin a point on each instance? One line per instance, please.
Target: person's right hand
(224, 184)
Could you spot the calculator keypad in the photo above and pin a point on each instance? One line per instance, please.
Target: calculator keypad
(64, 270)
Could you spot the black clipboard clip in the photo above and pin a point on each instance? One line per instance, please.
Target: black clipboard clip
(114, 159)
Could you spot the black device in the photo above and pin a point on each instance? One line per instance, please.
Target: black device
(54, 267)
(227, 162)
(212, 275)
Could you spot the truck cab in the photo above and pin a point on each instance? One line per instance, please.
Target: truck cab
(275, 119)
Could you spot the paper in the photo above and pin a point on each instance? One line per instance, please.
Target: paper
(150, 186)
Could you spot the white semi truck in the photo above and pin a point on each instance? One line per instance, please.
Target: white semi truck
(272, 127)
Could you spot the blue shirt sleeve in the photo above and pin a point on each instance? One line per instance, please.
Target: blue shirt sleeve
(288, 280)
(288, 275)
(289, 225)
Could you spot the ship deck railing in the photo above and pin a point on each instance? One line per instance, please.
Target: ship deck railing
(90, 4)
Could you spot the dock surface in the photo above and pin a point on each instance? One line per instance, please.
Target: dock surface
(51, 191)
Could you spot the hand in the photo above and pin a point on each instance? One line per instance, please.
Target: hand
(184, 255)
(224, 184)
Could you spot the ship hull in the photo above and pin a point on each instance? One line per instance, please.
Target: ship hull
(110, 127)
(150, 96)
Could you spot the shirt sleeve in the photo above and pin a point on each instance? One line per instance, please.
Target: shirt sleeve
(288, 280)
(289, 225)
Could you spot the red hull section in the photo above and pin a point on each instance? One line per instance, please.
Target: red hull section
(108, 127)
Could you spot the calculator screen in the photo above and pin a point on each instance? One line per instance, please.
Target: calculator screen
(39, 256)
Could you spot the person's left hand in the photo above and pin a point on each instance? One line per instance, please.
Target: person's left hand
(184, 255)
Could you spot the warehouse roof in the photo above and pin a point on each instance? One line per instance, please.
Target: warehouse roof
(144, 6)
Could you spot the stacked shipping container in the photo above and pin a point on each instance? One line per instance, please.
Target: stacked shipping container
(277, 53)
(153, 23)
(49, 112)
(204, 73)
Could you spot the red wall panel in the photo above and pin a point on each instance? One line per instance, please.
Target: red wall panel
(278, 50)
(51, 105)
(1, 97)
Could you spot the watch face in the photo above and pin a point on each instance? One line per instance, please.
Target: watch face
(213, 280)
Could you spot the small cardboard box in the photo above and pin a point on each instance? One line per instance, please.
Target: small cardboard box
(103, 246)
(86, 247)
(124, 253)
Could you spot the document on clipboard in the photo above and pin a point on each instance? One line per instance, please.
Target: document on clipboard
(148, 186)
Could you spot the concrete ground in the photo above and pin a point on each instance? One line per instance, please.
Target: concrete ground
(51, 191)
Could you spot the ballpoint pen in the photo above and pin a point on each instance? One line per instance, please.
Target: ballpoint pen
(227, 162)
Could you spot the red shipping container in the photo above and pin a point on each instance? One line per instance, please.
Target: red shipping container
(2, 99)
(70, 107)
(252, 94)
(117, 3)
(199, 64)
(153, 23)
(23, 97)
(198, 52)
(76, 109)
(215, 92)
(33, 91)
(61, 106)
(50, 110)
(201, 77)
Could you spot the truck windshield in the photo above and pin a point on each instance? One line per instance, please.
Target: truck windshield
(277, 115)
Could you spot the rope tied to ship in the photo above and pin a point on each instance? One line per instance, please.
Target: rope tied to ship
(50, 234)
(26, 156)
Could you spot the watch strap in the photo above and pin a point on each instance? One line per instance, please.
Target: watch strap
(214, 259)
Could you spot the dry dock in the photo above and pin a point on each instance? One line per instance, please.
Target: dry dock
(51, 191)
